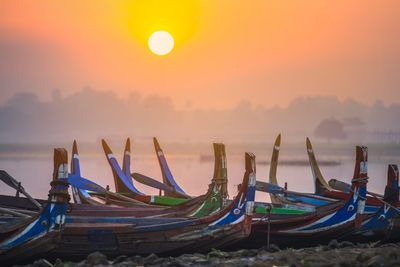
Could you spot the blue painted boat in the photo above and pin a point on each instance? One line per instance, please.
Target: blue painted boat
(333, 221)
(86, 191)
(166, 236)
(123, 179)
(323, 195)
(381, 209)
(39, 234)
(57, 232)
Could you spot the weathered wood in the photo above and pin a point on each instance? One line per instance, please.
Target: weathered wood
(13, 212)
(115, 235)
(23, 211)
(38, 234)
(10, 181)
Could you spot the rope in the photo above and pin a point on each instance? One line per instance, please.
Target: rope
(267, 215)
(60, 192)
(363, 180)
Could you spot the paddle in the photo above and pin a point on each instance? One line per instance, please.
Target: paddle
(345, 187)
(143, 179)
(10, 181)
(276, 189)
(269, 188)
(86, 184)
(13, 212)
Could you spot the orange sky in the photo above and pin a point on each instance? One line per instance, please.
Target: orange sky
(268, 52)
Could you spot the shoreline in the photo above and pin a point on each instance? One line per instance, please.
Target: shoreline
(334, 254)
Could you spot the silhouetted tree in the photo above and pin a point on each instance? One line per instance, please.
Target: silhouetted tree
(330, 129)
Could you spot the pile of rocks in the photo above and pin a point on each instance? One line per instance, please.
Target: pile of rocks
(334, 254)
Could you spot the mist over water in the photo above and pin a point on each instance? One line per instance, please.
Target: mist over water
(90, 114)
(30, 128)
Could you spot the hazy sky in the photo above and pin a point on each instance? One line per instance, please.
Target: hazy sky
(268, 52)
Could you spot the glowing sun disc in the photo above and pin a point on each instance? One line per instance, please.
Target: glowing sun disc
(161, 43)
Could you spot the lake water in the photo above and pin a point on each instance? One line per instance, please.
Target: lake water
(192, 174)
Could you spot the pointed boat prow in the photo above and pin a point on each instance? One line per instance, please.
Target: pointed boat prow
(126, 163)
(360, 180)
(123, 181)
(274, 160)
(75, 165)
(168, 178)
(250, 159)
(220, 169)
(319, 181)
(392, 186)
(242, 207)
(273, 180)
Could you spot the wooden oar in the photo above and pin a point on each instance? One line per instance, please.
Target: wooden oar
(345, 187)
(13, 212)
(143, 179)
(124, 198)
(10, 181)
(23, 211)
(86, 184)
(276, 189)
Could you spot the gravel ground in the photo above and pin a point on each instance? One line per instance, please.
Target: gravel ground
(334, 254)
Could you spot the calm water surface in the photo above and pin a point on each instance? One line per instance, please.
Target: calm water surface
(192, 174)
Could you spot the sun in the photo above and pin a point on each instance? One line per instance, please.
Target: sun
(161, 43)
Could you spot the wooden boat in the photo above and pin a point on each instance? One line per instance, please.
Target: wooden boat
(67, 235)
(83, 187)
(221, 174)
(173, 193)
(94, 194)
(385, 211)
(214, 200)
(166, 236)
(383, 226)
(206, 204)
(338, 189)
(124, 183)
(332, 221)
(324, 188)
(36, 206)
(335, 189)
(37, 235)
(119, 205)
(220, 169)
(290, 197)
(323, 194)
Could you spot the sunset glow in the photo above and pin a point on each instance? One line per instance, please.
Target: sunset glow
(268, 52)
